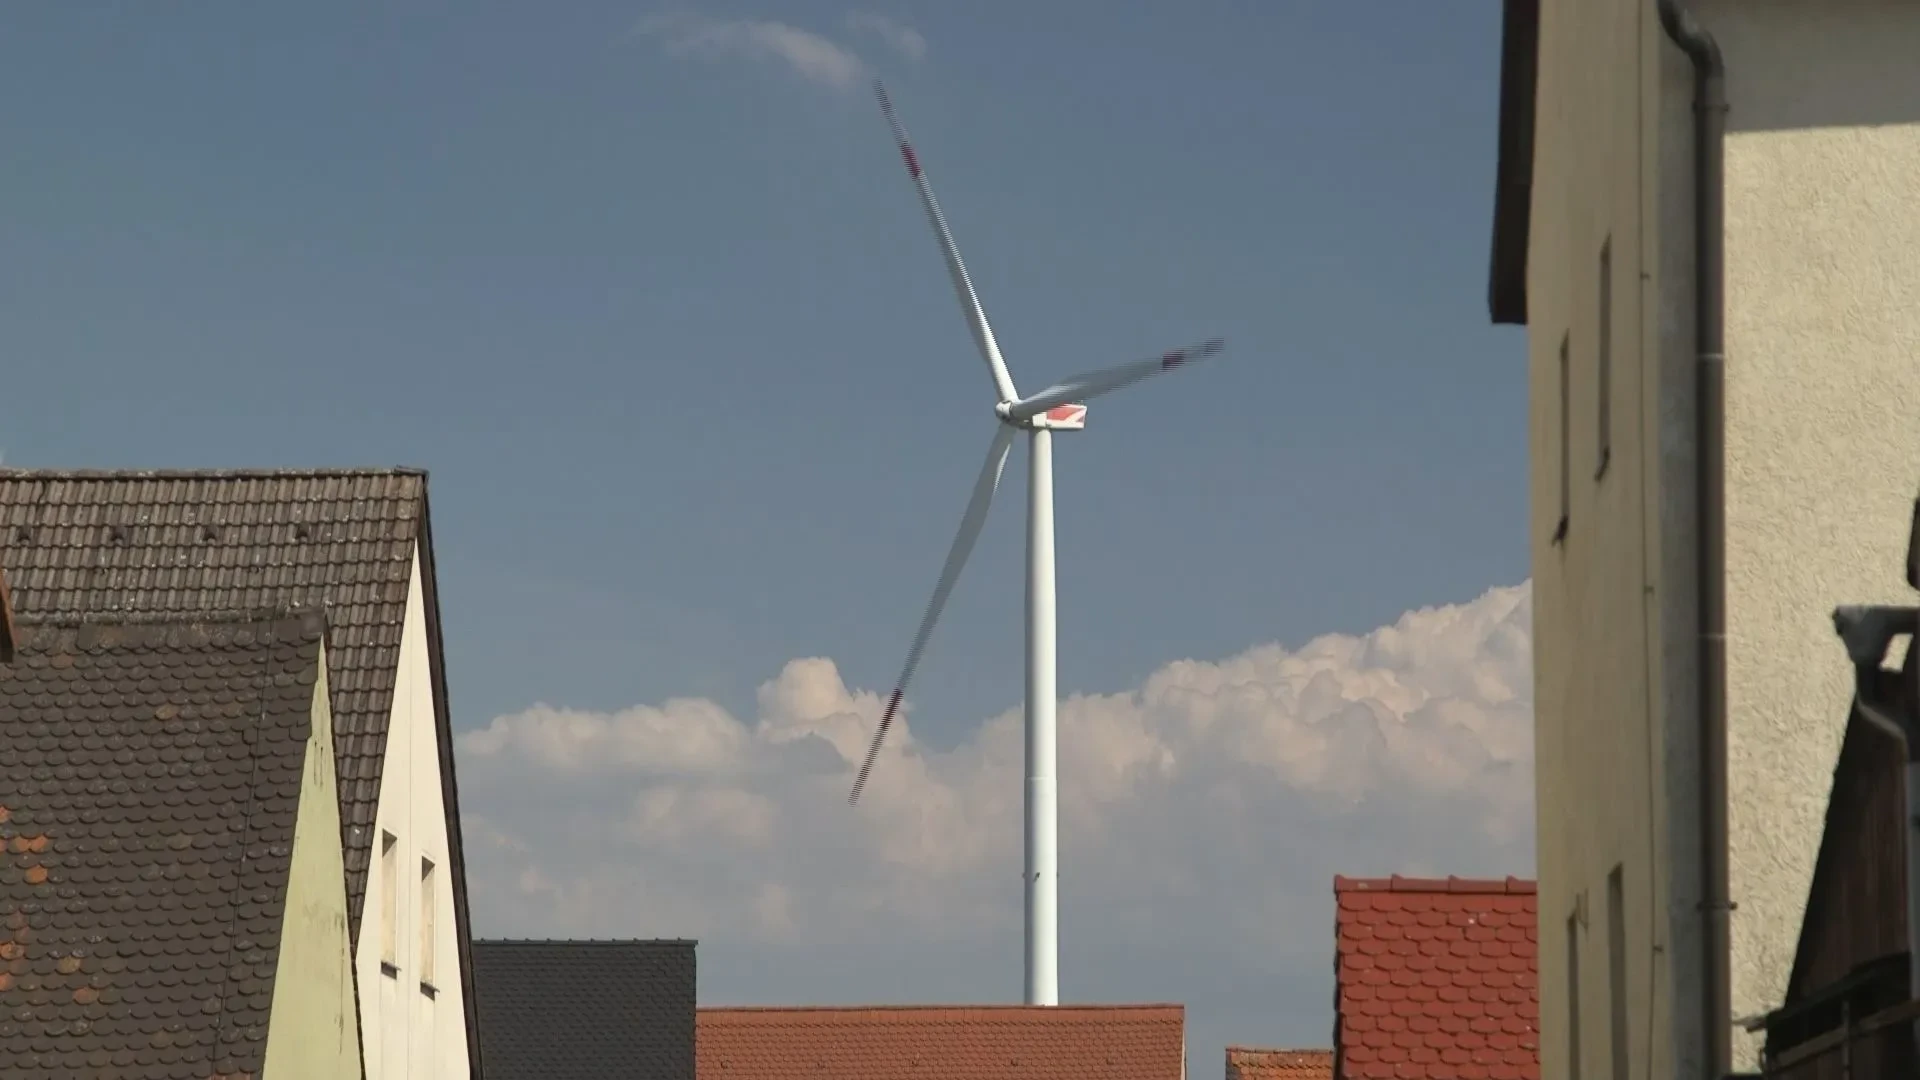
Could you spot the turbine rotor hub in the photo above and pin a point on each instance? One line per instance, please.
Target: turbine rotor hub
(1065, 417)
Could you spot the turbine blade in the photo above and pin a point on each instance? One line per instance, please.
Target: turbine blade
(970, 524)
(1079, 388)
(957, 270)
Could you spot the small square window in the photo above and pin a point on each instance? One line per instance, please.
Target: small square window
(427, 907)
(1573, 996)
(389, 902)
(1619, 999)
(1566, 444)
(1603, 355)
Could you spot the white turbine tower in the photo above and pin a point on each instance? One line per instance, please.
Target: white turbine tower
(1057, 408)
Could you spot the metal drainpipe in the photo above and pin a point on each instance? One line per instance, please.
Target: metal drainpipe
(1868, 632)
(1709, 256)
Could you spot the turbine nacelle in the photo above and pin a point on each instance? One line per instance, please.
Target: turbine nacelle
(1069, 416)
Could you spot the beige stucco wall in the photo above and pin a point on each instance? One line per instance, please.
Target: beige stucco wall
(312, 1033)
(1823, 414)
(1597, 742)
(1823, 370)
(410, 1033)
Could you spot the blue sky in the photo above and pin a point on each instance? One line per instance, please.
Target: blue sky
(669, 328)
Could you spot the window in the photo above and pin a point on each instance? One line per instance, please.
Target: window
(1604, 355)
(1566, 421)
(389, 901)
(426, 925)
(1573, 995)
(1617, 968)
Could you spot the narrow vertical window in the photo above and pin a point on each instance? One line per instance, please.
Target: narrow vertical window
(389, 901)
(1604, 358)
(1566, 446)
(426, 924)
(1617, 969)
(1573, 996)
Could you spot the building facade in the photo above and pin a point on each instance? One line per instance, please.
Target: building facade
(1595, 252)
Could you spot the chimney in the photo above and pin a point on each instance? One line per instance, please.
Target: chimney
(8, 635)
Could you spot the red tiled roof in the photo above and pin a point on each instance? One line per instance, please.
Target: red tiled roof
(1088, 1042)
(1437, 979)
(1246, 1063)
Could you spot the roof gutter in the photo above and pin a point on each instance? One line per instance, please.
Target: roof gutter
(1709, 321)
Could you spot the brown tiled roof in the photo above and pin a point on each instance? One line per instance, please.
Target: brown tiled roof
(1004, 1042)
(586, 1010)
(150, 777)
(1247, 1063)
(1436, 978)
(183, 542)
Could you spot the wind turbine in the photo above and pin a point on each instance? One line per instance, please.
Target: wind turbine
(1060, 407)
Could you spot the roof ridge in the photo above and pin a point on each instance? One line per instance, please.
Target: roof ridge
(585, 941)
(1509, 886)
(211, 474)
(1233, 1048)
(1157, 1006)
(94, 633)
(212, 616)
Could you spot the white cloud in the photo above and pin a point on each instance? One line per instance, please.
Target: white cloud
(812, 56)
(899, 37)
(1221, 795)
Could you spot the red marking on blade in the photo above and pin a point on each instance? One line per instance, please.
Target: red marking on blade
(1172, 360)
(913, 162)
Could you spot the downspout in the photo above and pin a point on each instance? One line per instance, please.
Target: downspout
(1709, 321)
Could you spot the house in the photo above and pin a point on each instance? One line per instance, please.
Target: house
(994, 1042)
(1852, 1002)
(586, 1010)
(357, 544)
(1848, 1010)
(170, 858)
(1250, 1063)
(1435, 978)
(1703, 216)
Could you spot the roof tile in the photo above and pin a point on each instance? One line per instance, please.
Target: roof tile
(1088, 1042)
(150, 776)
(1436, 976)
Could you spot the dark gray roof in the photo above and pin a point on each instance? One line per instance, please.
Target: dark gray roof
(150, 776)
(197, 541)
(574, 1010)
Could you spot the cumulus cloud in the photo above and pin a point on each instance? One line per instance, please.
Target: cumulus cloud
(897, 35)
(1219, 795)
(810, 55)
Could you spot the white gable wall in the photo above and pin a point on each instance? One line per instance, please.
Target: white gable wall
(408, 1032)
